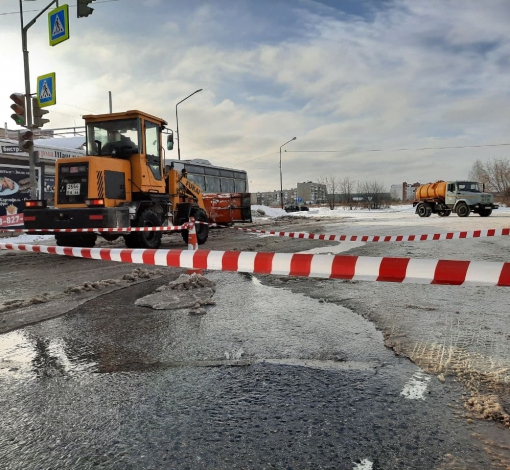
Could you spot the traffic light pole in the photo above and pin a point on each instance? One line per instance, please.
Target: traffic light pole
(28, 95)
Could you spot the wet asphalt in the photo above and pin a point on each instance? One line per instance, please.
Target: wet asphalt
(265, 379)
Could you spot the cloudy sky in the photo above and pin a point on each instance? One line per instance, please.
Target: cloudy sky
(356, 81)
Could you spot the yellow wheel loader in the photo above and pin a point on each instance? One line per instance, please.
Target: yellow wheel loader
(120, 182)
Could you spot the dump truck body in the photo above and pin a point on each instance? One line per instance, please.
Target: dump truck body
(445, 197)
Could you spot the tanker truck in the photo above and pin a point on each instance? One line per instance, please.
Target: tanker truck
(444, 197)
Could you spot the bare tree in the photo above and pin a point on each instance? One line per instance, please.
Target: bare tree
(331, 184)
(347, 189)
(478, 173)
(372, 193)
(495, 174)
(363, 190)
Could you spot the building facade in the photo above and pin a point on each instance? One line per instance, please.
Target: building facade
(15, 175)
(404, 191)
(311, 193)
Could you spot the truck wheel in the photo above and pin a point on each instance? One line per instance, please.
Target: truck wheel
(485, 212)
(443, 213)
(77, 240)
(463, 210)
(151, 240)
(201, 229)
(423, 210)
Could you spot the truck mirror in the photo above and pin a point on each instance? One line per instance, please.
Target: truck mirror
(170, 142)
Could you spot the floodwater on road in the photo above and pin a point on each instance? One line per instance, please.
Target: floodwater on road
(266, 378)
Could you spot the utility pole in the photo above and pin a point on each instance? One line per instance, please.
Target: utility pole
(28, 95)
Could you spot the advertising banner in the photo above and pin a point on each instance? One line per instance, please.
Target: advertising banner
(14, 190)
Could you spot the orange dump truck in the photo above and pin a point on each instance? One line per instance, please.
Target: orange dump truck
(444, 197)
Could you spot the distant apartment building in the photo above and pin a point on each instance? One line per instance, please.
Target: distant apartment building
(272, 198)
(305, 193)
(311, 193)
(404, 191)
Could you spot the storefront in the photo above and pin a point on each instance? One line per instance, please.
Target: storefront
(15, 177)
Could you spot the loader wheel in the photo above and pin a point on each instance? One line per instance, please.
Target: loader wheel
(485, 212)
(76, 240)
(423, 210)
(463, 210)
(151, 240)
(201, 229)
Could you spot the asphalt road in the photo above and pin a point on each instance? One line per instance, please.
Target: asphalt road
(278, 373)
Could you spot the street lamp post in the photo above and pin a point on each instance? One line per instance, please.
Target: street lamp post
(177, 120)
(281, 180)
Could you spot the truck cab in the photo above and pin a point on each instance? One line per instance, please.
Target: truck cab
(462, 196)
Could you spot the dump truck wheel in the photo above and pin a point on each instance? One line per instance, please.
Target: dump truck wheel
(83, 240)
(151, 240)
(463, 210)
(201, 229)
(443, 213)
(485, 212)
(423, 210)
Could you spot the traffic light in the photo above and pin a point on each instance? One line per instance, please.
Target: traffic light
(25, 140)
(20, 113)
(83, 8)
(38, 114)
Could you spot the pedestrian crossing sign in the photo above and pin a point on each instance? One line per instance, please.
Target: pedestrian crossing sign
(58, 25)
(46, 90)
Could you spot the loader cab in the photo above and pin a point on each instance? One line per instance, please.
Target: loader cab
(133, 136)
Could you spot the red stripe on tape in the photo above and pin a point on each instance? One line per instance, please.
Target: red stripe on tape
(105, 254)
(68, 251)
(125, 256)
(263, 263)
(343, 267)
(200, 259)
(504, 277)
(173, 258)
(85, 252)
(230, 260)
(149, 257)
(450, 272)
(300, 264)
(393, 269)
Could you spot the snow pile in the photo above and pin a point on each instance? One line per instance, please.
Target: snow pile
(187, 291)
(26, 239)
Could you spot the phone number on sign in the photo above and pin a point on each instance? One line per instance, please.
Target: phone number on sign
(16, 219)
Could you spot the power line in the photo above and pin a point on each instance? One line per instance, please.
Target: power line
(398, 150)
(33, 11)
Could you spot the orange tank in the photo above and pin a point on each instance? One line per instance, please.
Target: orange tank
(435, 190)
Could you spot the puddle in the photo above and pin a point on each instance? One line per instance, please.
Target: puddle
(249, 322)
(26, 354)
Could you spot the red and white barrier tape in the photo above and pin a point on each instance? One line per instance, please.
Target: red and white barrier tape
(384, 238)
(356, 268)
(304, 235)
(109, 230)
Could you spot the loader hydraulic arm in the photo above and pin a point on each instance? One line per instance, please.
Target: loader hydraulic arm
(187, 187)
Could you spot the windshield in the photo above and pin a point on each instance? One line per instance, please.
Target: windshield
(468, 186)
(113, 137)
